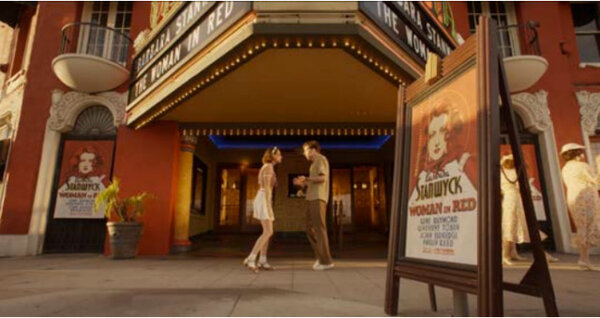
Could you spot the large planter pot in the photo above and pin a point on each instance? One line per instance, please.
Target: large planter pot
(124, 238)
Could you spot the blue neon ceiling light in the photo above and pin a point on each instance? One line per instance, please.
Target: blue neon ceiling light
(338, 143)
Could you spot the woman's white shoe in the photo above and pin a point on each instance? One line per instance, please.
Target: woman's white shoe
(266, 266)
(251, 264)
(322, 267)
(550, 258)
(586, 265)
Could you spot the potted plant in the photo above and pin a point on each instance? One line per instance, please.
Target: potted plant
(124, 233)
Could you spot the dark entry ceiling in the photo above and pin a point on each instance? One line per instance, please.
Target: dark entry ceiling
(10, 11)
(294, 86)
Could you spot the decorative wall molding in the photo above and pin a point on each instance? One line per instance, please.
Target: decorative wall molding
(533, 110)
(589, 108)
(67, 106)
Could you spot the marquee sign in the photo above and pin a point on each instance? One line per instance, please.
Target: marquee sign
(194, 26)
(187, 16)
(410, 26)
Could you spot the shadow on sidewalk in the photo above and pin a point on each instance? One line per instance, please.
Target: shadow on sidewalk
(368, 245)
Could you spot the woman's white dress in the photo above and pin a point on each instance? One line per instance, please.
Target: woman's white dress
(583, 201)
(514, 225)
(263, 206)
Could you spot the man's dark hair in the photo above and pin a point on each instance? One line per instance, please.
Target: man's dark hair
(313, 144)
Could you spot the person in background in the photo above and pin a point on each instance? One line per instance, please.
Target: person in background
(514, 225)
(317, 195)
(583, 201)
(263, 209)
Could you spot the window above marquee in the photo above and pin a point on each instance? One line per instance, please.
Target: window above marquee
(115, 15)
(504, 14)
(586, 19)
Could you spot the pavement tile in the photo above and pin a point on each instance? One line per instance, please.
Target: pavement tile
(92, 285)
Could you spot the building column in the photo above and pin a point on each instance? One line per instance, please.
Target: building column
(181, 224)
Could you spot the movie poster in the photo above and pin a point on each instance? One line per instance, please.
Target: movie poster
(443, 198)
(84, 172)
(529, 155)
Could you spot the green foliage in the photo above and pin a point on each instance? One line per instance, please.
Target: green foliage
(127, 209)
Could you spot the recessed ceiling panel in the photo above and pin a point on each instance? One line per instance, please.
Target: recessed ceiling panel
(293, 86)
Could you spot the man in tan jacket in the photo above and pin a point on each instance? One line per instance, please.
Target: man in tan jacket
(317, 195)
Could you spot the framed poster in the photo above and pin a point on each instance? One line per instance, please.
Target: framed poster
(442, 206)
(445, 223)
(85, 170)
(446, 204)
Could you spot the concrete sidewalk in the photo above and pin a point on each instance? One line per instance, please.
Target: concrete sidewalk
(91, 285)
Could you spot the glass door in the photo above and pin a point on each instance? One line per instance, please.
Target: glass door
(341, 192)
(228, 217)
(250, 190)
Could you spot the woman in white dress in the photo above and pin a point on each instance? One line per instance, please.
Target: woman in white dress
(514, 224)
(582, 198)
(263, 209)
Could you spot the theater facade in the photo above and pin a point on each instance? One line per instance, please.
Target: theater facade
(180, 99)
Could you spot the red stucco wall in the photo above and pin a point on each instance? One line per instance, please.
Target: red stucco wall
(461, 20)
(23, 166)
(564, 76)
(564, 108)
(147, 160)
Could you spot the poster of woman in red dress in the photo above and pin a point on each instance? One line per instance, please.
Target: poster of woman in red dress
(443, 199)
(85, 171)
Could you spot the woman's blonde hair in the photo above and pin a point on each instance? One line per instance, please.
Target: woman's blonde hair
(269, 155)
